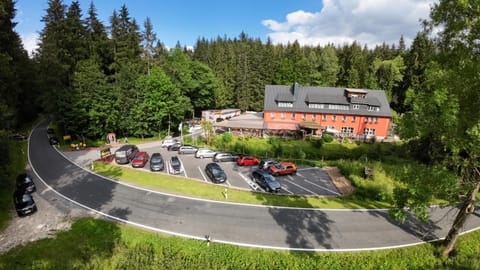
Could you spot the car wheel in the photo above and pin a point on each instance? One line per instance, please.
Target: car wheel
(268, 189)
(201, 157)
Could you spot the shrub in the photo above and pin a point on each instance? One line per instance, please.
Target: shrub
(327, 138)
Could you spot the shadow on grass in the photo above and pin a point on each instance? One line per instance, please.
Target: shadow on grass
(87, 245)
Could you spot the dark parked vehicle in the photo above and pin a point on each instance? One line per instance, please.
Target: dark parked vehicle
(247, 161)
(156, 162)
(53, 140)
(50, 131)
(25, 183)
(24, 203)
(187, 149)
(265, 164)
(140, 159)
(221, 157)
(215, 173)
(125, 154)
(174, 147)
(266, 181)
(18, 137)
(175, 165)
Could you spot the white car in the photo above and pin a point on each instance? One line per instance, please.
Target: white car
(168, 142)
(205, 153)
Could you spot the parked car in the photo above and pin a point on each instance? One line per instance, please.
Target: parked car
(18, 137)
(220, 157)
(24, 203)
(24, 182)
(156, 162)
(174, 147)
(247, 161)
(265, 164)
(168, 142)
(215, 173)
(53, 140)
(266, 181)
(175, 165)
(283, 168)
(125, 154)
(140, 159)
(205, 153)
(50, 131)
(187, 149)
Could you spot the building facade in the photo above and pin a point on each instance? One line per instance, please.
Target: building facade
(315, 110)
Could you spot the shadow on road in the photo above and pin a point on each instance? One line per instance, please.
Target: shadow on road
(305, 228)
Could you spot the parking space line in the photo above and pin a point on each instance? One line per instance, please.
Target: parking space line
(203, 175)
(327, 189)
(250, 183)
(228, 183)
(184, 171)
(306, 189)
(301, 175)
(306, 169)
(284, 188)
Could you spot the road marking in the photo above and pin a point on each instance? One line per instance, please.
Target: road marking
(228, 183)
(306, 189)
(284, 188)
(182, 168)
(334, 192)
(203, 175)
(301, 175)
(252, 184)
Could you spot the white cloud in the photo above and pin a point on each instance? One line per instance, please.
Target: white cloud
(369, 22)
(30, 42)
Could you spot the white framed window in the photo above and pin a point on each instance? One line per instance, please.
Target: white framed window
(373, 109)
(272, 115)
(285, 104)
(324, 117)
(293, 115)
(338, 107)
(316, 106)
(314, 116)
(347, 130)
(334, 117)
(354, 118)
(356, 106)
(344, 118)
(304, 116)
(365, 119)
(375, 119)
(282, 115)
(369, 131)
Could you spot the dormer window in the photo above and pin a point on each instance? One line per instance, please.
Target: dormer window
(316, 106)
(356, 106)
(373, 109)
(285, 104)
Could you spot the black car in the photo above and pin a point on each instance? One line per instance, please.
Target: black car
(156, 162)
(175, 165)
(53, 140)
(215, 173)
(220, 157)
(24, 203)
(174, 147)
(18, 137)
(25, 183)
(266, 181)
(50, 131)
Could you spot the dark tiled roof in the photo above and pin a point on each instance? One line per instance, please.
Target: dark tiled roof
(301, 96)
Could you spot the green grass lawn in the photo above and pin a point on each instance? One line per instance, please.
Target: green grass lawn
(184, 186)
(98, 244)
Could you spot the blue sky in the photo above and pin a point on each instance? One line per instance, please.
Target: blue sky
(311, 22)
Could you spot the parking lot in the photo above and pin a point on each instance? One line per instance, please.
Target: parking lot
(307, 180)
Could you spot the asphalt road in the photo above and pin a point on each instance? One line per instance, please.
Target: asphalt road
(246, 225)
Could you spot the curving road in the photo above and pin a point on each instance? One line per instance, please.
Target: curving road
(245, 225)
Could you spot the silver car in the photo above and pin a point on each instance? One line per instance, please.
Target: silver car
(205, 153)
(187, 149)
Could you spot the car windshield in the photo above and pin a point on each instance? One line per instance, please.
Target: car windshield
(156, 160)
(175, 162)
(278, 165)
(139, 157)
(217, 171)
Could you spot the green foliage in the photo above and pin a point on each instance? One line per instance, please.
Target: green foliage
(327, 138)
(97, 244)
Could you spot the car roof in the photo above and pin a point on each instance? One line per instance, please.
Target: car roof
(142, 153)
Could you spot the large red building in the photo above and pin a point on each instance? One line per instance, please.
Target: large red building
(314, 110)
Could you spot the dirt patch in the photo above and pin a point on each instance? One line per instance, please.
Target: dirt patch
(343, 184)
(53, 215)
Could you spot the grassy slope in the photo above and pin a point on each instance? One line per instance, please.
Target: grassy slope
(97, 244)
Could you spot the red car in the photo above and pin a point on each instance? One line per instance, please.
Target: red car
(283, 168)
(140, 159)
(247, 161)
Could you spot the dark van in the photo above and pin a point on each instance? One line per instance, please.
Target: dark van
(125, 154)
